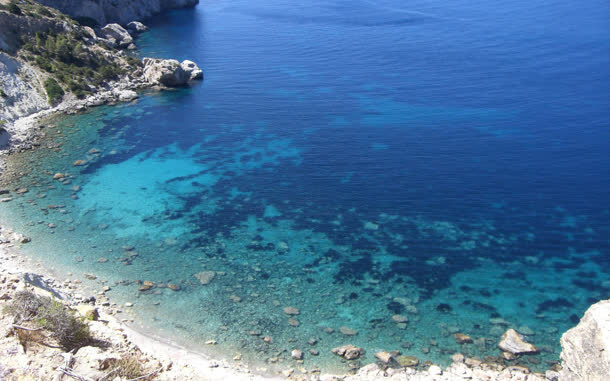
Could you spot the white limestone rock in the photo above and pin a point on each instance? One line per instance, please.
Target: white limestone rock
(136, 27)
(585, 351)
(164, 72)
(191, 69)
(513, 343)
(116, 34)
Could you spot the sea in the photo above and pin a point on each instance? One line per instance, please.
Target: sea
(386, 174)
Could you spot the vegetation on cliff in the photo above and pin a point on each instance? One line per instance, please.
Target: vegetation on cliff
(70, 55)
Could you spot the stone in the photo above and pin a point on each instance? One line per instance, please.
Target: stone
(400, 319)
(78, 163)
(173, 287)
(22, 190)
(585, 351)
(348, 331)
(205, 277)
(136, 27)
(117, 34)
(88, 311)
(384, 357)
(294, 322)
(93, 358)
(291, 311)
(164, 72)
(57, 176)
(235, 298)
(348, 352)
(296, 354)
(407, 361)
(147, 285)
(435, 370)
(191, 69)
(458, 357)
(512, 342)
(126, 95)
(461, 338)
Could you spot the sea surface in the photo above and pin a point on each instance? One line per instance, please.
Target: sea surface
(398, 172)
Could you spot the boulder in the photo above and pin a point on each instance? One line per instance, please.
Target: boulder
(126, 95)
(164, 72)
(296, 354)
(136, 27)
(513, 343)
(117, 34)
(191, 69)
(291, 311)
(585, 351)
(93, 362)
(348, 352)
(384, 357)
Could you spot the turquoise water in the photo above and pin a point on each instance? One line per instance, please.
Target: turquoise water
(444, 162)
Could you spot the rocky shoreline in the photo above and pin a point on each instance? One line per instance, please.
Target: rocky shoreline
(167, 361)
(585, 354)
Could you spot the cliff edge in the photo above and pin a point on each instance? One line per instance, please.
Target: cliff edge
(119, 11)
(586, 348)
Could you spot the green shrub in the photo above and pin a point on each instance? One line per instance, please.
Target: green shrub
(54, 92)
(62, 323)
(44, 11)
(69, 330)
(14, 8)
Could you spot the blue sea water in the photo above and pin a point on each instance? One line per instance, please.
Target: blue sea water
(443, 161)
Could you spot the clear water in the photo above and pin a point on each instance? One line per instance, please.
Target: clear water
(355, 160)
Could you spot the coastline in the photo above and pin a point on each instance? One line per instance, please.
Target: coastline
(175, 362)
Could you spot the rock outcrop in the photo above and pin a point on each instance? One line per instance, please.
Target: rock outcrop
(170, 72)
(119, 11)
(585, 351)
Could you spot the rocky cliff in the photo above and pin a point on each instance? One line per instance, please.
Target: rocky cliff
(119, 11)
(586, 348)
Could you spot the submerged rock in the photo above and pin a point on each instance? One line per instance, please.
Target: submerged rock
(407, 361)
(205, 277)
(348, 331)
(462, 338)
(348, 352)
(291, 311)
(512, 342)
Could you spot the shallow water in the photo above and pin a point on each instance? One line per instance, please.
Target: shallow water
(444, 162)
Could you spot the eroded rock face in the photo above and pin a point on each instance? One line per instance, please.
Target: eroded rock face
(585, 351)
(513, 343)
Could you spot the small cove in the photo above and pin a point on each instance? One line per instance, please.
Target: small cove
(354, 182)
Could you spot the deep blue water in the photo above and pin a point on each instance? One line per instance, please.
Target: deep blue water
(356, 160)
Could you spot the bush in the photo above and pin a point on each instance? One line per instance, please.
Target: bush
(69, 330)
(54, 92)
(24, 306)
(44, 11)
(14, 8)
